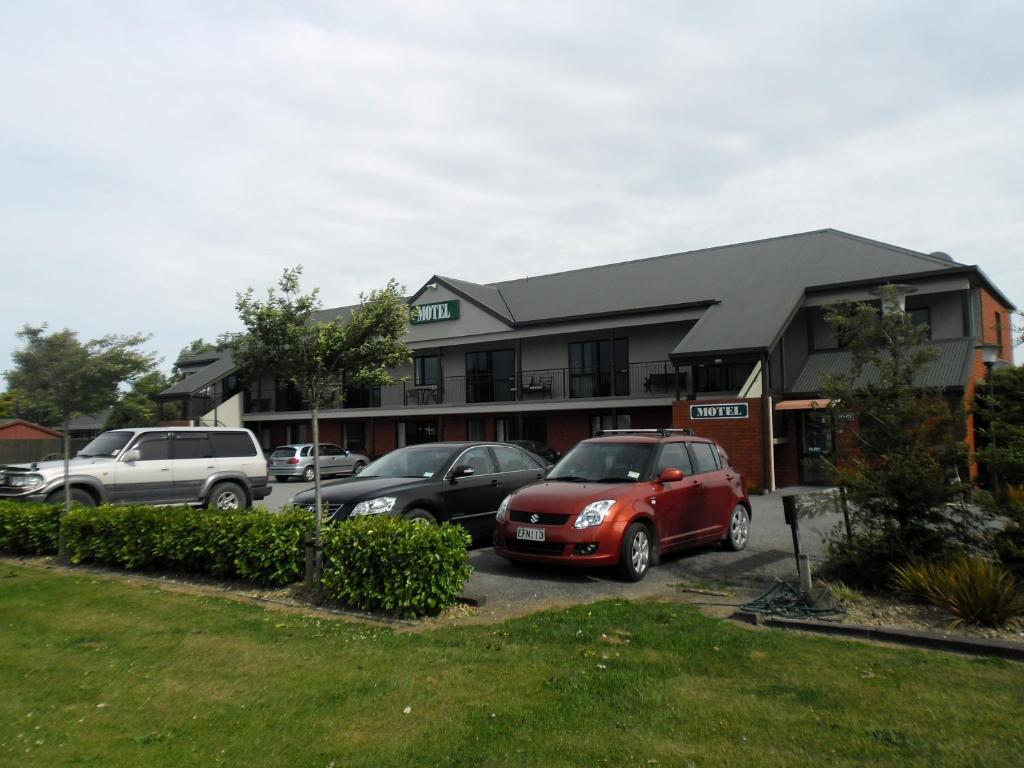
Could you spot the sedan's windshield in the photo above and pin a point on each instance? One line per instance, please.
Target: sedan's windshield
(604, 463)
(107, 444)
(414, 461)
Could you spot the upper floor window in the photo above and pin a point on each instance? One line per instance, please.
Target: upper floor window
(721, 377)
(999, 333)
(921, 316)
(427, 370)
(599, 368)
(490, 376)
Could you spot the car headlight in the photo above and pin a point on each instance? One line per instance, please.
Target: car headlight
(380, 506)
(594, 514)
(25, 481)
(502, 515)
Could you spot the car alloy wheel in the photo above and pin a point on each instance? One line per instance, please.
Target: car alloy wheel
(309, 474)
(739, 529)
(635, 552)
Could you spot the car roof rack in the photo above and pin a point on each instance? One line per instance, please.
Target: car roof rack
(664, 431)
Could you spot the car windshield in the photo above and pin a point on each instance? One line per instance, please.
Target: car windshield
(414, 461)
(604, 463)
(107, 444)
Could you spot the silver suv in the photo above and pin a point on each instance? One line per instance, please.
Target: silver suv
(208, 466)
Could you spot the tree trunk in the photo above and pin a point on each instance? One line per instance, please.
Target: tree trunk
(67, 486)
(318, 501)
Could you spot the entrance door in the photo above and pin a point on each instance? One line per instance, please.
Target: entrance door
(815, 447)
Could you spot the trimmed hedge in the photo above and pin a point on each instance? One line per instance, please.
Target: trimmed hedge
(392, 565)
(28, 529)
(253, 545)
(380, 563)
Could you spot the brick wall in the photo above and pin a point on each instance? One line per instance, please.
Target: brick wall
(741, 438)
(990, 309)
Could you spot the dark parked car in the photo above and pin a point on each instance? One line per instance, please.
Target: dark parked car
(434, 483)
(624, 500)
(550, 455)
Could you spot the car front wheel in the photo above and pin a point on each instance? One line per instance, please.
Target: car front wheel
(227, 496)
(738, 535)
(635, 552)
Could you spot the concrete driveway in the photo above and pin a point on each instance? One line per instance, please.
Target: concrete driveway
(513, 589)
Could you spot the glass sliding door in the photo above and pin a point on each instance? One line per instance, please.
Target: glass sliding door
(599, 368)
(490, 376)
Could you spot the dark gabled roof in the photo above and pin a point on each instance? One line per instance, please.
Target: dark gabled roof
(748, 291)
(949, 370)
(486, 297)
(90, 420)
(221, 364)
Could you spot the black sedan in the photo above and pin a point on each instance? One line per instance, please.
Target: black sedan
(434, 483)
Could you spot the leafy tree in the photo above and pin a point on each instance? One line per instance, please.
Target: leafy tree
(283, 336)
(7, 404)
(56, 376)
(1000, 415)
(999, 412)
(138, 407)
(902, 448)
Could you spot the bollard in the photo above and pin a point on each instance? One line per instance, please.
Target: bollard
(789, 509)
(804, 567)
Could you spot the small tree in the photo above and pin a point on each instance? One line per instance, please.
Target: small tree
(138, 407)
(284, 336)
(56, 376)
(902, 447)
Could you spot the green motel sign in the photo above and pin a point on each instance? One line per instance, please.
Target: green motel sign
(434, 313)
(719, 411)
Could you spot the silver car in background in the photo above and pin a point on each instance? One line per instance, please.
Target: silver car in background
(288, 461)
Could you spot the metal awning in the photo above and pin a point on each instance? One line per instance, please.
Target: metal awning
(804, 405)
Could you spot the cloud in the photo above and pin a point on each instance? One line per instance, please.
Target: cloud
(159, 158)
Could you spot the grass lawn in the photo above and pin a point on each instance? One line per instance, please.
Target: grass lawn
(97, 672)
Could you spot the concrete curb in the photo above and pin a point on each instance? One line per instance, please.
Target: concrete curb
(1003, 649)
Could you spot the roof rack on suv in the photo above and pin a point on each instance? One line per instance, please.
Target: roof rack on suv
(664, 432)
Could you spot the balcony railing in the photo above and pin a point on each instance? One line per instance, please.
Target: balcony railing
(636, 380)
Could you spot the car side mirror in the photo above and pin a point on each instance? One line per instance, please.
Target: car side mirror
(132, 455)
(670, 475)
(347, 451)
(463, 470)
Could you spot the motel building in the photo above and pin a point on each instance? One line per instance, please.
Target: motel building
(730, 341)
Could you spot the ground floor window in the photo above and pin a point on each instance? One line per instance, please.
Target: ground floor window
(603, 421)
(506, 429)
(355, 435)
(535, 428)
(475, 429)
(415, 432)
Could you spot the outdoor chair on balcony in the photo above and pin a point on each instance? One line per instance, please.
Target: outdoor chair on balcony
(662, 383)
(538, 385)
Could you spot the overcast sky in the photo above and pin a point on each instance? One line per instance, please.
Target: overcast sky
(158, 157)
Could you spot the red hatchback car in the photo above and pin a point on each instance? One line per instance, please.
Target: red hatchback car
(624, 499)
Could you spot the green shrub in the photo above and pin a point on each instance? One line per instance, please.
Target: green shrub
(975, 590)
(1008, 544)
(252, 545)
(28, 529)
(392, 565)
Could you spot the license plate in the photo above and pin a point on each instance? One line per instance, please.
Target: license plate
(530, 534)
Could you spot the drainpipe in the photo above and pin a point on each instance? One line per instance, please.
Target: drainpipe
(766, 428)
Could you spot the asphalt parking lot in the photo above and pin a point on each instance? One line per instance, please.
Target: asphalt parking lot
(510, 588)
